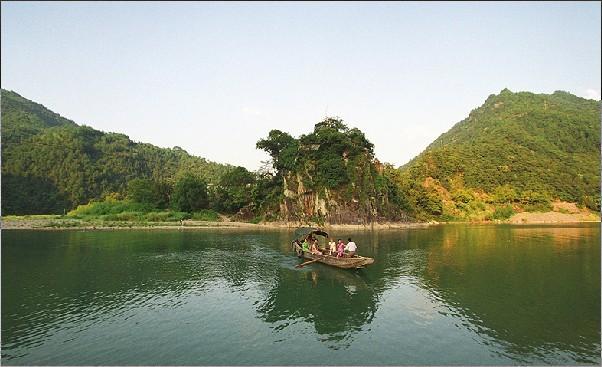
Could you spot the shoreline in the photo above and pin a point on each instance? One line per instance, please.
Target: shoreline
(77, 224)
(46, 224)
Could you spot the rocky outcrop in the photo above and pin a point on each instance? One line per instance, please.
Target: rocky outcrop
(335, 206)
(330, 176)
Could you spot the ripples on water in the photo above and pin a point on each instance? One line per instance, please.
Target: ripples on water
(446, 295)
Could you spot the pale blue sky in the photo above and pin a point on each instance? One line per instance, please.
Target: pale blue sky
(213, 78)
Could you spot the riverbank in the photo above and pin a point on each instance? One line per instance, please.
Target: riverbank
(552, 218)
(57, 222)
(562, 212)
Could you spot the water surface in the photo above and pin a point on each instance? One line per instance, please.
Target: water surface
(453, 294)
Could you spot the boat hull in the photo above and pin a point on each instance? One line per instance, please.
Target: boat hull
(340, 262)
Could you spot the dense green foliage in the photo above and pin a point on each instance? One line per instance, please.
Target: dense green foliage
(107, 206)
(335, 155)
(113, 209)
(31, 195)
(518, 148)
(282, 147)
(190, 194)
(146, 191)
(50, 164)
(209, 215)
(502, 213)
(22, 118)
(234, 190)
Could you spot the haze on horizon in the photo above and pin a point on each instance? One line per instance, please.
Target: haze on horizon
(213, 78)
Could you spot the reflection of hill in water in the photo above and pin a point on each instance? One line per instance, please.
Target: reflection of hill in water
(78, 278)
(337, 302)
(535, 290)
(533, 297)
(83, 278)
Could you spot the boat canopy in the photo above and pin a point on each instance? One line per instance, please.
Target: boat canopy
(302, 232)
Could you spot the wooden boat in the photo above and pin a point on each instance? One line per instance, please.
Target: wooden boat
(354, 262)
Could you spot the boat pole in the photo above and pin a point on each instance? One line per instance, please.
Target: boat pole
(305, 263)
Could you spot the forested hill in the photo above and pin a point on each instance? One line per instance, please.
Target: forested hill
(515, 147)
(51, 164)
(22, 118)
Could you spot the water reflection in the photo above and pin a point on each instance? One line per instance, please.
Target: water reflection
(526, 294)
(73, 281)
(527, 300)
(518, 290)
(338, 303)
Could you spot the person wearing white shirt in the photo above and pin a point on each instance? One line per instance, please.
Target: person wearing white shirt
(351, 247)
(332, 247)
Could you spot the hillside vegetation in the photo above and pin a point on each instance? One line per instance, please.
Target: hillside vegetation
(518, 151)
(50, 164)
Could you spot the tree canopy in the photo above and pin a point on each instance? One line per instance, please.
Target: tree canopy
(75, 164)
(190, 194)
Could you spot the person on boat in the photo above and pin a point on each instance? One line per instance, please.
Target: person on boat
(314, 248)
(332, 247)
(351, 247)
(322, 250)
(305, 246)
(340, 248)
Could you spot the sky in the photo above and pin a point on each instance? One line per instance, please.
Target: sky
(213, 78)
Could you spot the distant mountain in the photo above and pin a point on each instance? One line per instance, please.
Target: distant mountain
(50, 164)
(525, 144)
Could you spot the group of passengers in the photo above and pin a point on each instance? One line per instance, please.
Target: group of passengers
(339, 248)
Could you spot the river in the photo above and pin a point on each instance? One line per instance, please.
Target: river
(449, 294)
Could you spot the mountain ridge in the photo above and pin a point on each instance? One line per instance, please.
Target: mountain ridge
(544, 143)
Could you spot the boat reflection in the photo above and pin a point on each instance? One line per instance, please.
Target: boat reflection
(337, 302)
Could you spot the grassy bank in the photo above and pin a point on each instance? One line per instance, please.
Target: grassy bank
(111, 213)
(66, 222)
